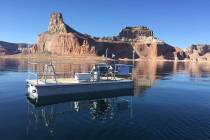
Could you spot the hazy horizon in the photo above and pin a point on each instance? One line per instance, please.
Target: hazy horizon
(179, 23)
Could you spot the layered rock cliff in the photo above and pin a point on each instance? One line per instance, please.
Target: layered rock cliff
(60, 39)
(138, 41)
(199, 52)
(153, 48)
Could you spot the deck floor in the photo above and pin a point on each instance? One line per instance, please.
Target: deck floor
(70, 81)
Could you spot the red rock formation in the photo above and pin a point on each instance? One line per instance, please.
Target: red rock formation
(153, 48)
(198, 52)
(134, 32)
(60, 39)
(56, 24)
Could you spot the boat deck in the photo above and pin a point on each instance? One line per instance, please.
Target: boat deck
(71, 81)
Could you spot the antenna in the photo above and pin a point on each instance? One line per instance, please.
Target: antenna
(28, 60)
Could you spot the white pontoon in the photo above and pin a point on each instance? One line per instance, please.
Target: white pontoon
(101, 78)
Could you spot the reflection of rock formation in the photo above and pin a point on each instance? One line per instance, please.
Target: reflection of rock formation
(178, 66)
(13, 64)
(147, 72)
(2, 64)
(144, 75)
(147, 69)
(198, 69)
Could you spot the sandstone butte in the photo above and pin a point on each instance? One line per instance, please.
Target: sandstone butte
(62, 40)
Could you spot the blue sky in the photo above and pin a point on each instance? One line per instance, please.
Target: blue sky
(178, 22)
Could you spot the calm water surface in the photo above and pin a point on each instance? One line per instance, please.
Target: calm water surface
(170, 101)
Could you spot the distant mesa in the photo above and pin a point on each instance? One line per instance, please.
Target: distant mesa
(134, 32)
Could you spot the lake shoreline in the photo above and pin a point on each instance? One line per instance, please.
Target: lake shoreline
(87, 58)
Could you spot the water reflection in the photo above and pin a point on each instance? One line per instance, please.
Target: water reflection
(45, 115)
(172, 98)
(98, 110)
(149, 69)
(145, 72)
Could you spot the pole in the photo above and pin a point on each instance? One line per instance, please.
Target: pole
(28, 61)
(133, 63)
(133, 57)
(113, 56)
(106, 54)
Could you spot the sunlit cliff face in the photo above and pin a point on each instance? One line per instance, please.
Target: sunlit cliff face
(62, 40)
(56, 24)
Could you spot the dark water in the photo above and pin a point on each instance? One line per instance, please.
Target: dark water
(171, 101)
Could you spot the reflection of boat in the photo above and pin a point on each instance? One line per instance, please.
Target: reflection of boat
(100, 80)
(100, 110)
(45, 100)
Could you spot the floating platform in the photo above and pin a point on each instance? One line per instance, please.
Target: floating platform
(69, 86)
(49, 100)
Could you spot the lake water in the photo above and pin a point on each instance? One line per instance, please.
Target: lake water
(171, 101)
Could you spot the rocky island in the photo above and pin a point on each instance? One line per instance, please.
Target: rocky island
(62, 40)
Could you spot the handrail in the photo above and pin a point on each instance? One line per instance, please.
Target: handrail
(47, 62)
(39, 70)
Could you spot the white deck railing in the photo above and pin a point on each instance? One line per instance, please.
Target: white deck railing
(53, 70)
